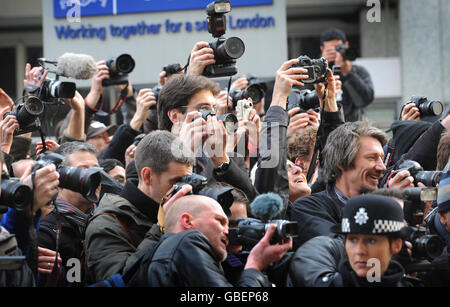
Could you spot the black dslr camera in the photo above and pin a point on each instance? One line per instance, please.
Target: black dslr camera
(226, 50)
(15, 194)
(80, 180)
(317, 69)
(304, 99)
(27, 114)
(426, 246)
(119, 68)
(426, 107)
(428, 178)
(256, 90)
(348, 53)
(229, 120)
(223, 196)
(249, 232)
(414, 203)
(172, 69)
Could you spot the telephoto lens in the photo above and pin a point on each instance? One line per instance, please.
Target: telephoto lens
(427, 107)
(124, 63)
(230, 48)
(28, 112)
(83, 181)
(15, 194)
(431, 108)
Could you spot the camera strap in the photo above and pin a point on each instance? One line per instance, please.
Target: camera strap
(228, 95)
(313, 163)
(120, 100)
(54, 276)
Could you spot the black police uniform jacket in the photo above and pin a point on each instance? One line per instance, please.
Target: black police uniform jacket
(322, 262)
(187, 259)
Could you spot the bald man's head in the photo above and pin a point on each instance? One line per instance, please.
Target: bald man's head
(203, 214)
(192, 204)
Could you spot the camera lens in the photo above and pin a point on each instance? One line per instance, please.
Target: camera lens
(61, 89)
(125, 63)
(80, 180)
(34, 106)
(431, 108)
(15, 194)
(230, 122)
(429, 246)
(255, 93)
(232, 48)
(428, 178)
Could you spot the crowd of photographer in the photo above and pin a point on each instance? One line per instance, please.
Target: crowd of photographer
(208, 186)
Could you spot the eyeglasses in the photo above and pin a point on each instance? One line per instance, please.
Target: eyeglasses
(203, 107)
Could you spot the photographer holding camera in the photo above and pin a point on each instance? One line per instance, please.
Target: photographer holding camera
(187, 108)
(14, 270)
(357, 86)
(438, 222)
(197, 238)
(125, 225)
(424, 150)
(68, 219)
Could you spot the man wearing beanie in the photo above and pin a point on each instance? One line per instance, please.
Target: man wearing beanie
(372, 229)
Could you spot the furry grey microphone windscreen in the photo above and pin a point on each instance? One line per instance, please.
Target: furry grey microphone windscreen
(77, 66)
(266, 206)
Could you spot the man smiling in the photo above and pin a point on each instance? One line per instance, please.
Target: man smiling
(353, 164)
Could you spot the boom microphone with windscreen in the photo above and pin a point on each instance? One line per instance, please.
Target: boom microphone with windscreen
(72, 65)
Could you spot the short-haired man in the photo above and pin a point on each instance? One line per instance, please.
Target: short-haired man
(73, 210)
(179, 103)
(195, 244)
(352, 165)
(357, 85)
(122, 226)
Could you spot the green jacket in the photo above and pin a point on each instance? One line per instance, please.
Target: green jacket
(116, 236)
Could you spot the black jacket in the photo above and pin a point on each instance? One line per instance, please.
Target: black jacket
(423, 151)
(236, 175)
(322, 262)
(119, 232)
(316, 214)
(187, 259)
(122, 139)
(357, 93)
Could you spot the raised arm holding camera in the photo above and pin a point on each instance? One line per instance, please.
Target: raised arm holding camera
(357, 86)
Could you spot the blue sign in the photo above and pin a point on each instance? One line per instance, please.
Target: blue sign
(62, 8)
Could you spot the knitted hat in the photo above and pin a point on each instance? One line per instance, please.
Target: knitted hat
(371, 215)
(443, 199)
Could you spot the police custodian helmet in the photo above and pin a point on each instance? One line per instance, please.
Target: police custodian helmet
(371, 215)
